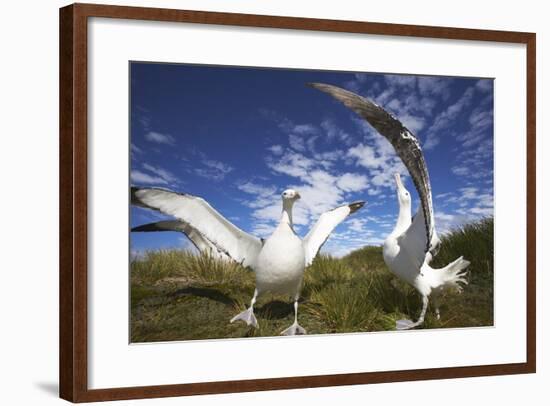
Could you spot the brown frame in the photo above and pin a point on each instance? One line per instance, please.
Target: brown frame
(73, 201)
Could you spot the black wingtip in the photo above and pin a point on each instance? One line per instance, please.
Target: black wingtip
(353, 207)
(133, 196)
(146, 228)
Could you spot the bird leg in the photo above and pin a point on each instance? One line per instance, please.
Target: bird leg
(408, 324)
(295, 328)
(248, 315)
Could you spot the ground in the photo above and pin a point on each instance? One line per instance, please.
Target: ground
(178, 295)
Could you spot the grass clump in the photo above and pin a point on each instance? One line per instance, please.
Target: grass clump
(179, 295)
(343, 308)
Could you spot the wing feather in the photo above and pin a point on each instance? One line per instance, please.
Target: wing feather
(198, 240)
(404, 142)
(322, 229)
(203, 218)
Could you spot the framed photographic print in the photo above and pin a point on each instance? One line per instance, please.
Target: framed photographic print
(320, 195)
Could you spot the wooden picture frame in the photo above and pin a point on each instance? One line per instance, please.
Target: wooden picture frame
(74, 201)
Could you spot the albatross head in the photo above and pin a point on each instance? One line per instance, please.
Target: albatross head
(403, 195)
(290, 195)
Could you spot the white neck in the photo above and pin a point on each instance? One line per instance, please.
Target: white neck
(286, 216)
(404, 218)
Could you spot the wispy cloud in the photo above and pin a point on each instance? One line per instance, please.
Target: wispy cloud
(152, 175)
(464, 205)
(153, 136)
(352, 182)
(435, 86)
(446, 118)
(333, 132)
(276, 149)
(213, 170)
(379, 158)
(139, 177)
(135, 150)
(162, 173)
(335, 157)
(321, 189)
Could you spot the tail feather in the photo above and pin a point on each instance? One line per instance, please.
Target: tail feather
(453, 276)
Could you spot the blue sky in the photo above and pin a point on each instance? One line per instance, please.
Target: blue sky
(239, 136)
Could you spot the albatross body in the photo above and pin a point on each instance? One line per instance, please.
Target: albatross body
(278, 262)
(400, 252)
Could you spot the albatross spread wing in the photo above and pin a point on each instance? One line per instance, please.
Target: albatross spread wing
(203, 219)
(201, 243)
(404, 142)
(328, 221)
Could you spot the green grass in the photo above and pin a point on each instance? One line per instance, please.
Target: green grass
(177, 295)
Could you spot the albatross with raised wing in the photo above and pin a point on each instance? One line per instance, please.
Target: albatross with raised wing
(411, 246)
(278, 262)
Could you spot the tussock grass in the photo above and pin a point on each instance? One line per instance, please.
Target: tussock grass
(344, 308)
(178, 295)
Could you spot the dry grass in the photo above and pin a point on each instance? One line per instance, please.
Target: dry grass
(177, 295)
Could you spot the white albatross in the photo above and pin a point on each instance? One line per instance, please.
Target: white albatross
(278, 262)
(401, 250)
(411, 246)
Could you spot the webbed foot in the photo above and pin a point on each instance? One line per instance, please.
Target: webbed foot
(405, 324)
(293, 330)
(247, 316)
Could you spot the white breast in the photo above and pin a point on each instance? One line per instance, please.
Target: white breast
(281, 262)
(398, 261)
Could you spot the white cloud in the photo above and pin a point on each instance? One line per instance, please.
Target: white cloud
(139, 177)
(292, 164)
(256, 189)
(382, 163)
(333, 132)
(261, 195)
(320, 189)
(485, 85)
(296, 142)
(350, 182)
(446, 118)
(153, 136)
(473, 203)
(366, 156)
(152, 175)
(357, 225)
(461, 170)
(304, 129)
(213, 170)
(403, 81)
(435, 86)
(363, 81)
(135, 150)
(161, 173)
(413, 123)
(469, 192)
(276, 149)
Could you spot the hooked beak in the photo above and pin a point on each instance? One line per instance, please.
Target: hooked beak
(297, 196)
(398, 182)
